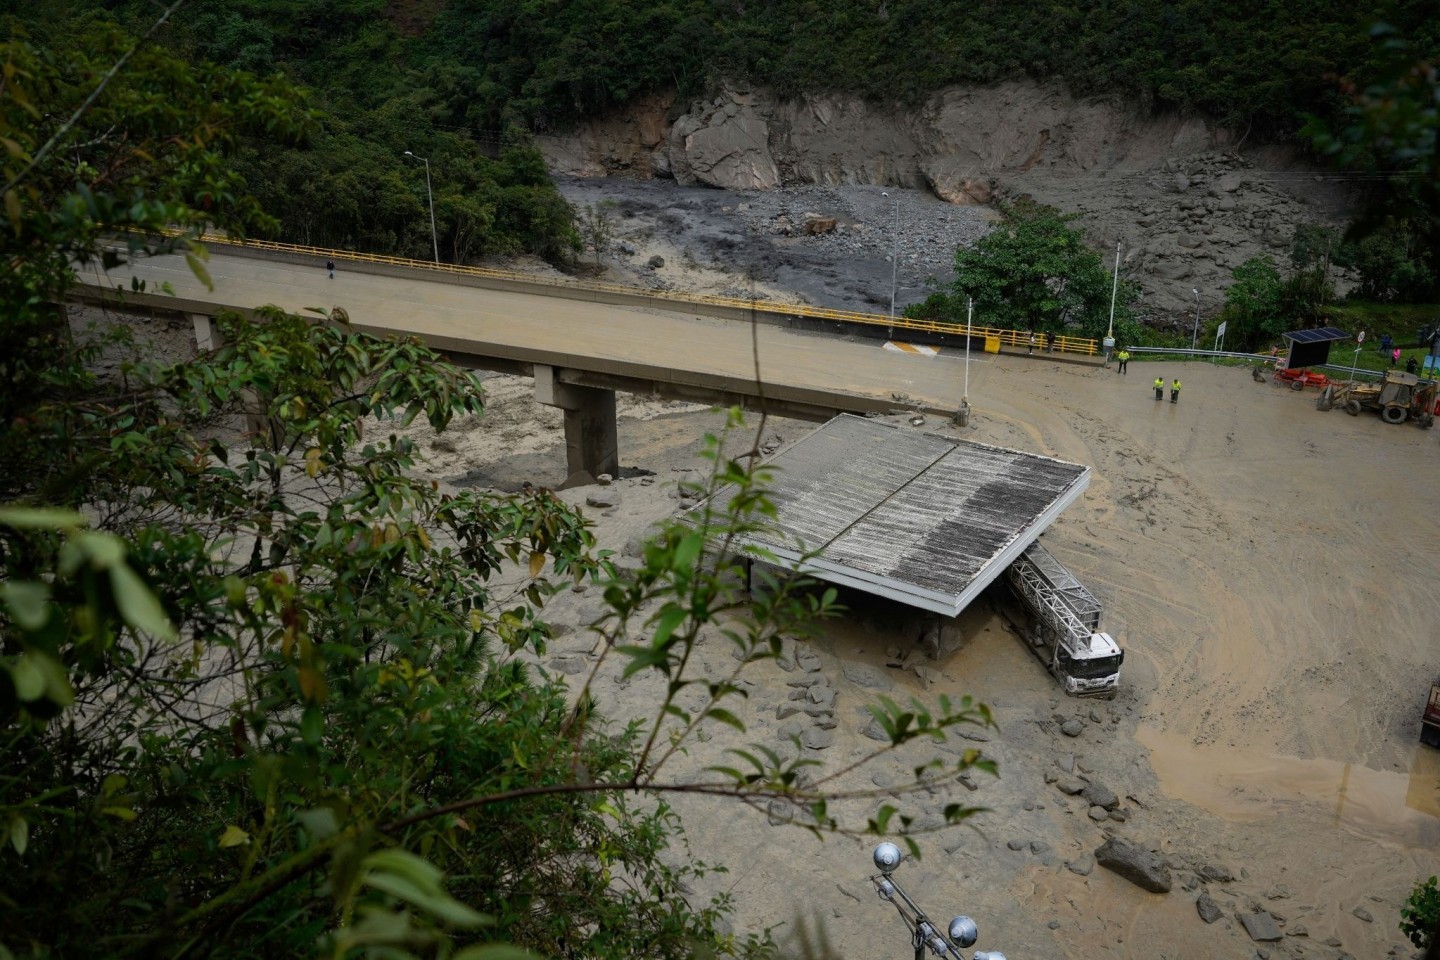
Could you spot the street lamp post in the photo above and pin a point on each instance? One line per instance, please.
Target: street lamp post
(1195, 333)
(961, 933)
(894, 262)
(1109, 343)
(434, 240)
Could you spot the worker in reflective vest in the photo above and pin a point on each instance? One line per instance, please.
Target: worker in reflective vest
(1124, 357)
(1175, 390)
(1159, 388)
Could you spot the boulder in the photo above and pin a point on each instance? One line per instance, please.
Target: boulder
(1216, 872)
(863, 675)
(1101, 796)
(817, 738)
(816, 226)
(1136, 864)
(725, 144)
(603, 498)
(1261, 926)
(1207, 908)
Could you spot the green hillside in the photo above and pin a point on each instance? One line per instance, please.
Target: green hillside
(444, 78)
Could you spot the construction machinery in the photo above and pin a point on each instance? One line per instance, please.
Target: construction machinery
(1065, 625)
(1402, 396)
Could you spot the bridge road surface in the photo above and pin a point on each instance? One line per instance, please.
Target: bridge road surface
(680, 347)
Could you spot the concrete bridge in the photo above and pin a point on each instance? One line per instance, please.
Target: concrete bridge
(578, 352)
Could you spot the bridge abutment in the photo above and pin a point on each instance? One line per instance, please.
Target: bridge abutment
(592, 442)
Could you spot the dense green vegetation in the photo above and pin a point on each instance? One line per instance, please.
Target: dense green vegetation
(1034, 272)
(348, 184)
(481, 63)
(446, 78)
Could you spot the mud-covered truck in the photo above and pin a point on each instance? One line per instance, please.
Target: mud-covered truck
(1064, 629)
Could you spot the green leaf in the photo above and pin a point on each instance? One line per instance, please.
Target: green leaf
(320, 822)
(495, 951)
(688, 551)
(33, 518)
(103, 550)
(198, 268)
(670, 618)
(437, 903)
(28, 676)
(139, 605)
(233, 837)
(725, 717)
(312, 725)
(28, 602)
(19, 833)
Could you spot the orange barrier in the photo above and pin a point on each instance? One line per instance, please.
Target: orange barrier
(1009, 338)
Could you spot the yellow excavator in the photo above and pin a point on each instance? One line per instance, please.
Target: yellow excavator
(1402, 396)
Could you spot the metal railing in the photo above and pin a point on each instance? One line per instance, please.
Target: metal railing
(1008, 338)
(1201, 354)
(1333, 370)
(1054, 614)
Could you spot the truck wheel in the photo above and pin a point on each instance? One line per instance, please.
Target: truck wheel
(1394, 414)
(1297, 384)
(1352, 407)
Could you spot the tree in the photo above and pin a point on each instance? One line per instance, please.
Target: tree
(254, 666)
(596, 223)
(147, 155)
(1032, 272)
(1391, 128)
(1308, 289)
(1420, 917)
(1391, 263)
(1253, 303)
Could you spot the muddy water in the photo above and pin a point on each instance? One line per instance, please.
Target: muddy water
(1402, 809)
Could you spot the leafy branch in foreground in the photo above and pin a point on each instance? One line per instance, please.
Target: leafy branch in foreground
(264, 690)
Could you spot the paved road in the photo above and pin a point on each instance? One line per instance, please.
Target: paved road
(448, 314)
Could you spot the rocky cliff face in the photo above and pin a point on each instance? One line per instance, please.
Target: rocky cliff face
(1177, 193)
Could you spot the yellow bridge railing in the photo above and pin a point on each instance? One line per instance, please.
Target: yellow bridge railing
(1006, 337)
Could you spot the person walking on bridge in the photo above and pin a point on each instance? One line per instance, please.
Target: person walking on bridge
(330, 265)
(1124, 358)
(1159, 388)
(1175, 390)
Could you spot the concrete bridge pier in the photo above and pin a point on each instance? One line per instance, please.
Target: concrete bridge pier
(207, 334)
(592, 443)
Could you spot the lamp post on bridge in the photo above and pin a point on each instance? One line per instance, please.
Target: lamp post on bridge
(894, 263)
(434, 240)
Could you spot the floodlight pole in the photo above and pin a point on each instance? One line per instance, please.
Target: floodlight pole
(434, 240)
(894, 263)
(969, 317)
(1195, 334)
(1114, 290)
